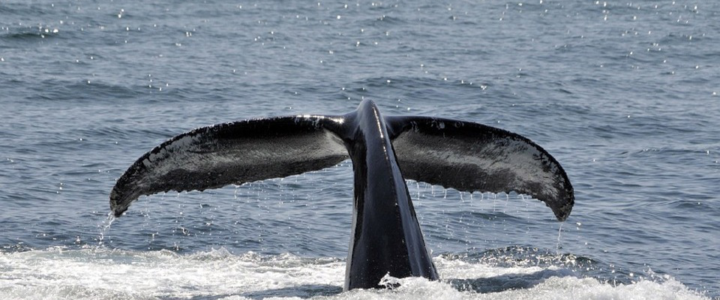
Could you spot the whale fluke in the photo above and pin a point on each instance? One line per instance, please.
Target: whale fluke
(231, 153)
(477, 158)
(385, 151)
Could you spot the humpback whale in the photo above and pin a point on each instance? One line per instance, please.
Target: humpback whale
(386, 236)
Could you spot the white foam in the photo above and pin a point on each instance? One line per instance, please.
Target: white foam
(113, 274)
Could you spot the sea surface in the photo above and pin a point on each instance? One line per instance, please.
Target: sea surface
(624, 94)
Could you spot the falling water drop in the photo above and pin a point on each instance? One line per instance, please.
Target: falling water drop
(105, 226)
(557, 249)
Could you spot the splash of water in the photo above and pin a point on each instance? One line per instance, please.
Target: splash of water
(213, 274)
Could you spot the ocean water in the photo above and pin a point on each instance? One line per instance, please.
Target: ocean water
(623, 94)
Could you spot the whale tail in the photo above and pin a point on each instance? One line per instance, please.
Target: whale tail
(386, 235)
(455, 154)
(477, 158)
(231, 153)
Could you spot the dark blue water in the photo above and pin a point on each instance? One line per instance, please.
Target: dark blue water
(623, 94)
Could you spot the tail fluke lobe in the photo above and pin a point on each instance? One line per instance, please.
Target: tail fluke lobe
(477, 158)
(232, 153)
